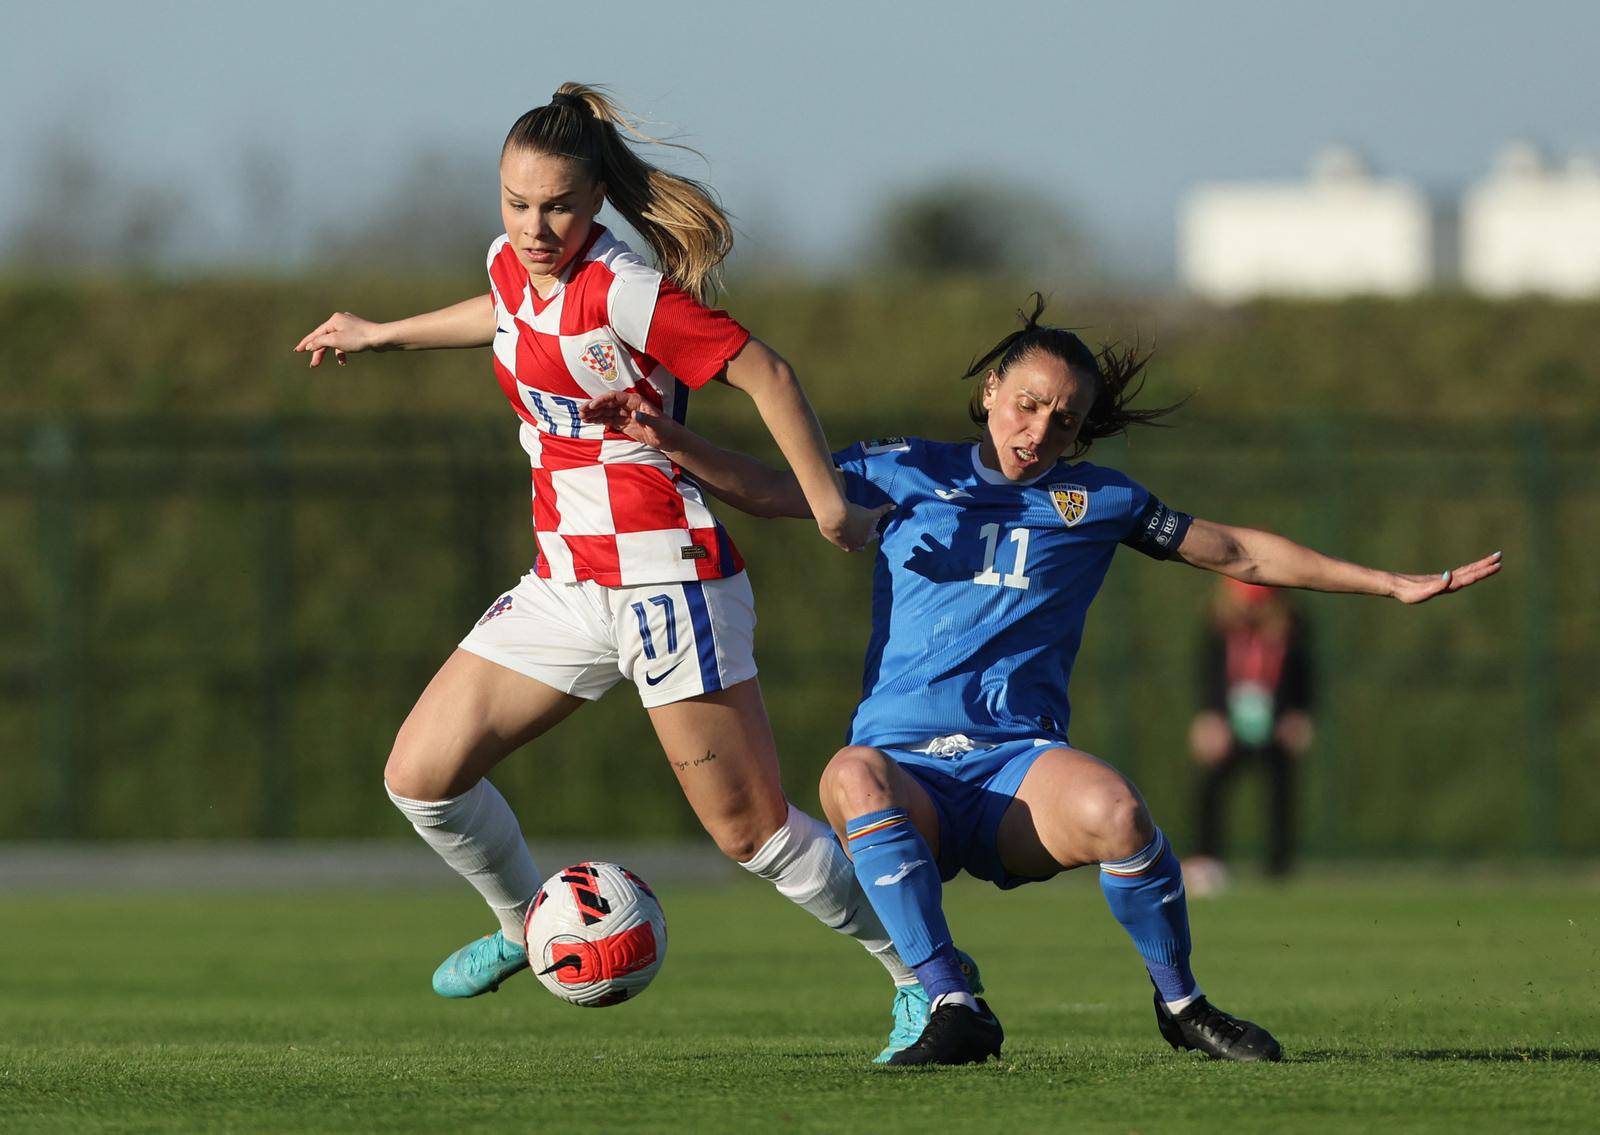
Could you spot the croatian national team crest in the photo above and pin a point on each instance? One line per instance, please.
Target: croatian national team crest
(500, 607)
(1071, 501)
(602, 359)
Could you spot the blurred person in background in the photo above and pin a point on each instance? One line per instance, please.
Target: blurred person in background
(1256, 689)
(633, 577)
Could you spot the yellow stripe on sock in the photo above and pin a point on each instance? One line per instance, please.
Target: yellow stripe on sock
(879, 826)
(1145, 870)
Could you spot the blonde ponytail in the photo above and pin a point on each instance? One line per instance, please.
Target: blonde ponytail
(678, 218)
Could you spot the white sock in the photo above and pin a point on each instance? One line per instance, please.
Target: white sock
(955, 998)
(477, 834)
(810, 869)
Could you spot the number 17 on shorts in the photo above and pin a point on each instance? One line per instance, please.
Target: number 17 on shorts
(672, 640)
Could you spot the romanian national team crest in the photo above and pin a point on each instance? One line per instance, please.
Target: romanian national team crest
(602, 359)
(1071, 501)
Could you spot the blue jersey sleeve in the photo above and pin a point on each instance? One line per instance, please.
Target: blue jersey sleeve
(869, 469)
(1153, 528)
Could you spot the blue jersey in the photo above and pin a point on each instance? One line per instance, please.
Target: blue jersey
(981, 586)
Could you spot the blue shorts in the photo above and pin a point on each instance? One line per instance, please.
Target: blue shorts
(971, 792)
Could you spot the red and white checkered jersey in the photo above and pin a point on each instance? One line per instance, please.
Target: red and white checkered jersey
(605, 507)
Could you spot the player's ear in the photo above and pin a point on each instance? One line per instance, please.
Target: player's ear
(991, 383)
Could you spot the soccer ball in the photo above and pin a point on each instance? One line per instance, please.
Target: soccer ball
(596, 934)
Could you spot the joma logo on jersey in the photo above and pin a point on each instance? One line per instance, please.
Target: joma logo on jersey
(602, 359)
(1071, 501)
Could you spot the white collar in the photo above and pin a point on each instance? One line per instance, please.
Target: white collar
(995, 477)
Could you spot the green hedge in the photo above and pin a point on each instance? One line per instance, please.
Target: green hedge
(867, 349)
(226, 578)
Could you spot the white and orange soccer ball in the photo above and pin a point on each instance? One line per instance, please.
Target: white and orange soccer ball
(596, 934)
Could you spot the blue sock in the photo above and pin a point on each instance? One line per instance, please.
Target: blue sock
(942, 974)
(901, 879)
(1145, 892)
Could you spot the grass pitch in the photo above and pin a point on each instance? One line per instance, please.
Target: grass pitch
(1403, 1002)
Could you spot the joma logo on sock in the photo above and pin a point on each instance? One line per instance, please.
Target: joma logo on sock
(891, 880)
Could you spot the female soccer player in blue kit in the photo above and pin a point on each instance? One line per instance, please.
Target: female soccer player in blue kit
(958, 756)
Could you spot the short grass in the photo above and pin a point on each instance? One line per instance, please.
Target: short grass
(1403, 1001)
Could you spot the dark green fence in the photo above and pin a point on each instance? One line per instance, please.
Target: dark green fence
(213, 628)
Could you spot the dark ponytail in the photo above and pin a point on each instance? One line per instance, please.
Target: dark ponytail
(1117, 373)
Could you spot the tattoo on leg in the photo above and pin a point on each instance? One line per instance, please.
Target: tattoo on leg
(682, 766)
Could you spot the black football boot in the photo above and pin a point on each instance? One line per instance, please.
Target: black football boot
(1205, 1028)
(955, 1034)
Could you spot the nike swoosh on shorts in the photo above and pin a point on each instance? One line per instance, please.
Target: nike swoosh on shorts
(661, 677)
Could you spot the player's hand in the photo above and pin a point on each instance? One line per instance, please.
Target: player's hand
(856, 528)
(342, 332)
(1294, 732)
(1421, 588)
(631, 414)
(1210, 739)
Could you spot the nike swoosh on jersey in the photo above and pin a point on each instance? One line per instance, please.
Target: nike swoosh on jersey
(649, 681)
(950, 494)
(891, 880)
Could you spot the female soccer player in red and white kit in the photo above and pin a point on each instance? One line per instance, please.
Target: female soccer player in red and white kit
(633, 578)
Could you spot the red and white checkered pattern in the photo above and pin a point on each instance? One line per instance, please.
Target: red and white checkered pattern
(605, 507)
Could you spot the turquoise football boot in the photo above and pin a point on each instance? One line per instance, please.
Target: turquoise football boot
(479, 967)
(910, 1010)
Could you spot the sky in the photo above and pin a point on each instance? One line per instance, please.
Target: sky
(811, 116)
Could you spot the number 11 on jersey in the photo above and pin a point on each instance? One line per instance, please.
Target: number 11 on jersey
(990, 534)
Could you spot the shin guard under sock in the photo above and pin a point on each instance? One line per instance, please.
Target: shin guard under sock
(1145, 892)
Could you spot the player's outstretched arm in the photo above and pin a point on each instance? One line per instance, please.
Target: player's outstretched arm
(737, 478)
(469, 323)
(770, 382)
(1265, 557)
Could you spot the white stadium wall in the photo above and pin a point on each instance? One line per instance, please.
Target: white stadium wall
(1342, 232)
(1528, 228)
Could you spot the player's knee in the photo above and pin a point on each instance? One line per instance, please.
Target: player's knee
(1117, 820)
(854, 777)
(416, 772)
(401, 776)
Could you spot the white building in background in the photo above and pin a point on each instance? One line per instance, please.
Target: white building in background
(1340, 232)
(1532, 228)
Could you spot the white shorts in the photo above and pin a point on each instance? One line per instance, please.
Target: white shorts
(672, 640)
